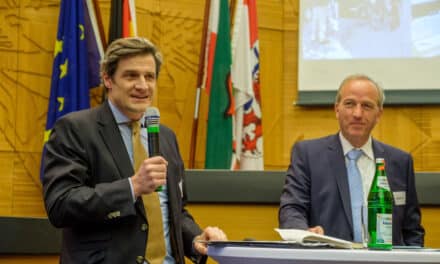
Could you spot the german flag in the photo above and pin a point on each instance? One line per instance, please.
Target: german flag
(122, 20)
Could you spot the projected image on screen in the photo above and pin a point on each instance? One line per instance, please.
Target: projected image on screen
(349, 29)
(396, 42)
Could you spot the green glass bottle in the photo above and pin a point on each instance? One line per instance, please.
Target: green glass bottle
(380, 210)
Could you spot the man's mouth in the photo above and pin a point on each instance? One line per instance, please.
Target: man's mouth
(357, 124)
(140, 97)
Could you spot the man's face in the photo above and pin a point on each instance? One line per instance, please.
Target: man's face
(358, 111)
(133, 85)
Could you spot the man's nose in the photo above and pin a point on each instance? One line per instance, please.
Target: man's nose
(357, 111)
(141, 83)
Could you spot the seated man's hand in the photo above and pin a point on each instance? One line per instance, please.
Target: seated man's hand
(317, 229)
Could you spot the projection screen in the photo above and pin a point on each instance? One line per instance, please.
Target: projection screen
(396, 42)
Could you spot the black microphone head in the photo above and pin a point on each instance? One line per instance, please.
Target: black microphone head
(152, 117)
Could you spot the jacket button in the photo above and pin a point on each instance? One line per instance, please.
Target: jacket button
(144, 227)
(139, 259)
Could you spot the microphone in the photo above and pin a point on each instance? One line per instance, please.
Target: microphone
(152, 118)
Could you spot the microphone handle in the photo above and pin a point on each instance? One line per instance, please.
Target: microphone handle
(153, 146)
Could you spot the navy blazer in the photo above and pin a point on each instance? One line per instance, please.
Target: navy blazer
(316, 190)
(87, 192)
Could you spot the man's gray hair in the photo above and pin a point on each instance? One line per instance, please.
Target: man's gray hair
(353, 77)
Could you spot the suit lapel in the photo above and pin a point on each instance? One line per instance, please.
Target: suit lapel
(378, 150)
(109, 129)
(339, 170)
(166, 150)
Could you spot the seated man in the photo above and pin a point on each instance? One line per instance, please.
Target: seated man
(316, 194)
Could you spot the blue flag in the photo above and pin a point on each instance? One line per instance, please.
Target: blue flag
(76, 63)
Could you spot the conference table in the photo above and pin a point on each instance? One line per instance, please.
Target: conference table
(248, 253)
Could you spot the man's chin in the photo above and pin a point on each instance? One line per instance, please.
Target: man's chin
(357, 134)
(140, 107)
(357, 137)
(138, 110)
(357, 130)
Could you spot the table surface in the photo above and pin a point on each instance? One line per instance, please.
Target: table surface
(248, 254)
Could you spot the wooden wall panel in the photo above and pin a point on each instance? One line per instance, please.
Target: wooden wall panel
(431, 223)
(8, 75)
(7, 169)
(258, 221)
(239, 221)
(271, 46)
(31, 259)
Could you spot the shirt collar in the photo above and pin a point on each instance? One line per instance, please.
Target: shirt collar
(119, 116)
(367, 148)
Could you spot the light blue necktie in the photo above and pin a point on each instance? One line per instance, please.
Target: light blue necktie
(356, 192)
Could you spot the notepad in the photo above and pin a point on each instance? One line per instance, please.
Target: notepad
(307, 237)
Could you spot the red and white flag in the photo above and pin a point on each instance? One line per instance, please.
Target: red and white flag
(247, 131)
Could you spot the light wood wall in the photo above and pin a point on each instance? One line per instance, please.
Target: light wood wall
(27, 35)
(253, 221)
(257, 221)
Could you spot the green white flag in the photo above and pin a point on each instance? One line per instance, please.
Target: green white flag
(219, 88)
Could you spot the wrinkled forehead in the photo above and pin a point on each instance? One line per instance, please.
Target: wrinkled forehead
(360, 89)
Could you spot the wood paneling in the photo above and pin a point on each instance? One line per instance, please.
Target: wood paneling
(431, 223)
(239, 221)
(258, 221)
(32, 259)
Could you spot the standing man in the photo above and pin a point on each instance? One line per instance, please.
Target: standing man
(317, 195)
(96, 191)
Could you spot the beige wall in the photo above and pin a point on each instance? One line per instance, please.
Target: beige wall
(27, 35)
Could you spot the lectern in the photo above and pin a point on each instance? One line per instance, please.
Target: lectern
(246, 253)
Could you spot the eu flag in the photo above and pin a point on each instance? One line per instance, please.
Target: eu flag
(71, 70)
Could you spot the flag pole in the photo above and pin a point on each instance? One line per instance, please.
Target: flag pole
(103, 41)
(195, 124)
(232, 8)
(100, 25)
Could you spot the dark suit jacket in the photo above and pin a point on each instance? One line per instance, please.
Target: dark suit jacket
(87, 193)
(316, 190)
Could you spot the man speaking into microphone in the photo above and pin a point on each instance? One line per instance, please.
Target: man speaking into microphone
(100, 183)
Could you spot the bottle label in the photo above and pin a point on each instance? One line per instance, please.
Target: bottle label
(384, 229)
(382, 182)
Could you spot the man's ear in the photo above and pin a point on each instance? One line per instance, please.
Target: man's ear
(379, 115)
(336, 110)
(107, 81)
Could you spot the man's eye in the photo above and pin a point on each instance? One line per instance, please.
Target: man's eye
(149, 77)
(367, 106)
(132, 75)
(349, 104)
